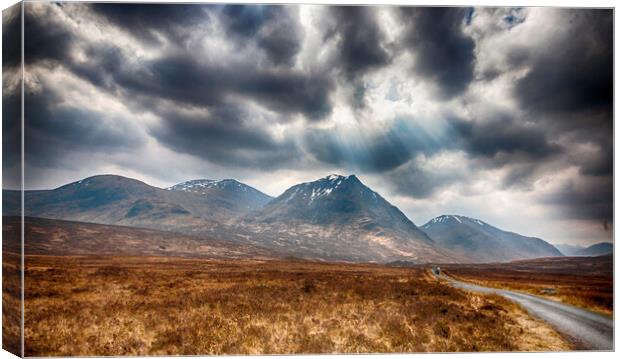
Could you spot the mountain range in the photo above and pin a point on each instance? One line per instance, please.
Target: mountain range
(333, 218)
(117, 200)
(596, 249)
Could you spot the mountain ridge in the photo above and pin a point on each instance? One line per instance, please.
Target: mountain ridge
(112, 199)
(482, 242)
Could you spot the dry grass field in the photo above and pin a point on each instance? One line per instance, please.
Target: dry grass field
(11, 309)
(585, 282)
(156, 293)
(85, 305)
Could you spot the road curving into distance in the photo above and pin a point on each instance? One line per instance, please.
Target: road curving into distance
(592, 331)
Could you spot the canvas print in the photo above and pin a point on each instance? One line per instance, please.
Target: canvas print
(199, 179)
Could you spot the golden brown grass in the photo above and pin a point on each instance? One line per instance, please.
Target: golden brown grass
(11, 308)
(157, 305)
(585, 282)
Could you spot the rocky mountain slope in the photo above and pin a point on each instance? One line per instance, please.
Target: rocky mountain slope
(339, 218)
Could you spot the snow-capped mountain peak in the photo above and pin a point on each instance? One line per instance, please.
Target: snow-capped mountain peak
(321, 188)
(202, 185)
(341, 216)
(228, 190)
(451, 218)
(193, 185)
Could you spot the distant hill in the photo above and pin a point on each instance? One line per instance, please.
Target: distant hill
(478, 241)
(593, 250)
(597, 249)
(339, 218)
(118, 200)
(228, 193)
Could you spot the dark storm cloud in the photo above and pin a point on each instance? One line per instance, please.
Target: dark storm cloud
(503, 136)
(107, 63)
(225, 136)
(504, 142)
(245, 20)
(576, 73)
(379, 152)
(54, 131)
(49, 43)
(146, 21)
(444, 55)
(11, 97)
(521, 175)
(601, 163)
(44, 39)
(180, 76)
(568, 92)
(228, 135)
(11, 132)
(360, 46)
(281, 40)
(590, 200)
(275, 29)
(379, 155)
(184, 80)
(11, 36)
(411, 180)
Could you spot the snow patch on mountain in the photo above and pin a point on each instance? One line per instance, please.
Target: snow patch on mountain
(323, 187)
(452, 218)
(202, 185)
(334, 177)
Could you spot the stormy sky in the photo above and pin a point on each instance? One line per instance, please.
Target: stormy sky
(503, 114)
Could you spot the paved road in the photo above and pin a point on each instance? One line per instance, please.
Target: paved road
(590, 330)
